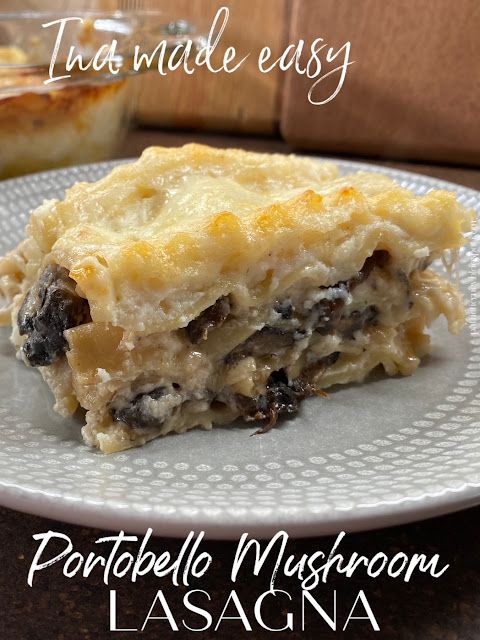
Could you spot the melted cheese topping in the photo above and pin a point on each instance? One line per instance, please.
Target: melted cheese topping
(157, 241)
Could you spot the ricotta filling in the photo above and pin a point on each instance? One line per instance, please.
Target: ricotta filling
(234, 360)
(282, 359)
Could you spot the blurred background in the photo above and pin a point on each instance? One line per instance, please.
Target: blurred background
(413, 93)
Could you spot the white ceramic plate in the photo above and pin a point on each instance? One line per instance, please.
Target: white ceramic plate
(385, 452)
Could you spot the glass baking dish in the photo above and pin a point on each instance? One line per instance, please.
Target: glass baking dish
(82, 118)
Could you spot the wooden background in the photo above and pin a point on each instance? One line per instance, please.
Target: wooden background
(245, 101)
(413, 92)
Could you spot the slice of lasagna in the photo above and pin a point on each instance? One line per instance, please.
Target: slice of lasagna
(198, 285)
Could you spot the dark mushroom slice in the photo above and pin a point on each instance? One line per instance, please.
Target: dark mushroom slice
(285, 308)
(50, 307)
(330, 318)
(379, 258)
(327, 314)
(357, 321)
(313, 369)
(198, 328)
(278, 398)
(281, 395)
(150, 409)
(268, 341)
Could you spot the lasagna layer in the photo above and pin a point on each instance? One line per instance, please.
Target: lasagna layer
(197, 286)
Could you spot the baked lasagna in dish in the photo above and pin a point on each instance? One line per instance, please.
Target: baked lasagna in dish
(198, 285)
(42, 128)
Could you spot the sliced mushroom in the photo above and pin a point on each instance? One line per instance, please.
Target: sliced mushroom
(198, 328)
(358, 320)
(268, 341)
(281, 395)
(150, 409)
(285, 308)
(379, 258)
(50, 307)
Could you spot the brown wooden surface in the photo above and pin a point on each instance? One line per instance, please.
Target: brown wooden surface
(244, 101)
(414, 90)
(57, 608)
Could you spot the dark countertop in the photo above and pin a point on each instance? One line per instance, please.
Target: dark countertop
(446, 608)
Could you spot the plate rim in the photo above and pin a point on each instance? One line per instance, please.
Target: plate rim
(361, 518)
